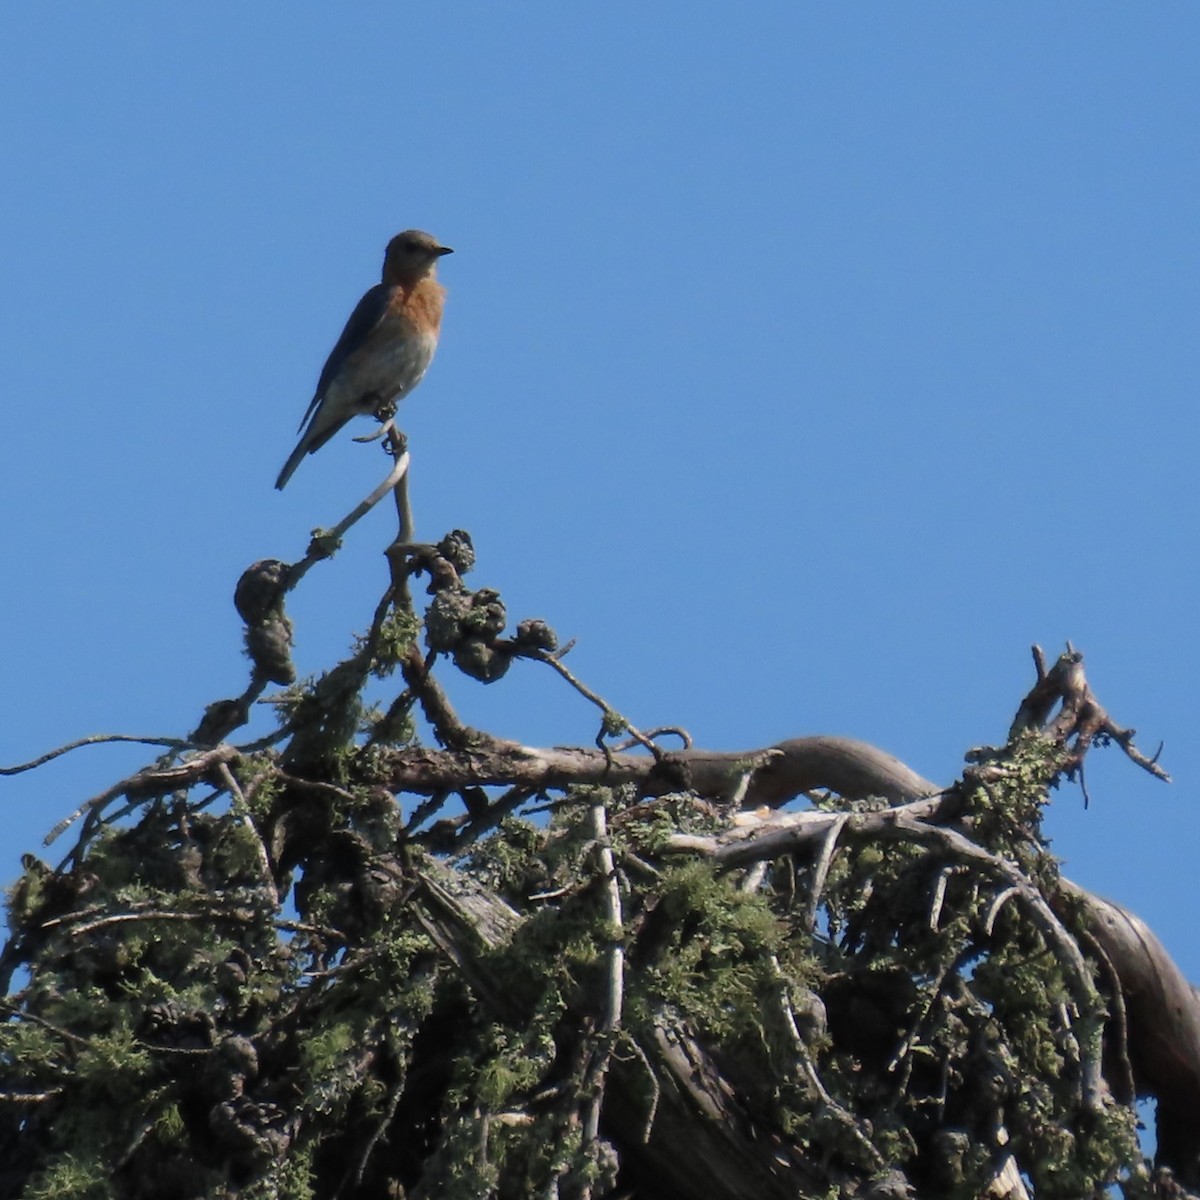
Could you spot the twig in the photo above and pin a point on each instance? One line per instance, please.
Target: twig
(1052, 930)
(1039, 661)
(77, 931)
(380, 431)
(933, 992)
(491, 817)
(821, 870)
(610, 713)
(22, 1015)
(1080, 718)
(423, 811)
(844, 1118)
(655, 1087)
(94, 805)
(610, 1024)
(905, 823)
(939, 897)
(320, 546)
(555, 894)
(1125, 1087)
(242, 809)
(268, 739)
(398, 444)
(655, 734)
(317, 787)
(989, 920)
(96, 739)
(150, 782)
(397, 1091)
(754, 878)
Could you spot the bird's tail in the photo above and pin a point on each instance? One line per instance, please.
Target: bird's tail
(319, 431)
(289, 467)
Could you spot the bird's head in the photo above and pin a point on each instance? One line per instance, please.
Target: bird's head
(410, 256)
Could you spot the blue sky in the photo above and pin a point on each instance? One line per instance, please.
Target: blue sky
(806, 362)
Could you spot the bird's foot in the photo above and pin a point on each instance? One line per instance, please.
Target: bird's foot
(385, 412)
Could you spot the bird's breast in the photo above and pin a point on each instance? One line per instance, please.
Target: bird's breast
(421, 305)
(388, 367)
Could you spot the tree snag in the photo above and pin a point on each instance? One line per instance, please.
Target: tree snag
(358, 957)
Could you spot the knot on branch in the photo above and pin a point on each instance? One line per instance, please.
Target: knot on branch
(535, 635)
(253, 1135)
(458, 550)
(349, 886)
(169, 1023)
(258, 598)
(445, 562)
(467, 624)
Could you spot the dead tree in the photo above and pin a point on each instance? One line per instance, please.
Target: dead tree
(343, 961)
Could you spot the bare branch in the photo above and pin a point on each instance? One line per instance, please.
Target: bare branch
(152, 781)
(325, 543)
(242, 809)
(96, 739)
(611, 716)
(610, 1023)
(821, 868)
(1080, 718)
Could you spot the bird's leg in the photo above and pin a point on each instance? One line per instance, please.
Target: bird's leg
(384, 411)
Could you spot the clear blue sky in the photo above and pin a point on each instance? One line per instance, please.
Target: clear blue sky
(805, 361)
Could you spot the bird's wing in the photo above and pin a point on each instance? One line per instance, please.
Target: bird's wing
(367, 314)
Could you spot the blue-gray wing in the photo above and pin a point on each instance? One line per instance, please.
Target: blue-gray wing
(367, 314)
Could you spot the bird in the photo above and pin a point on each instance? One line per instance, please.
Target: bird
(386, 347)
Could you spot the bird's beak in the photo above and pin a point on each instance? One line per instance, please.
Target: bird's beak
(443, 250)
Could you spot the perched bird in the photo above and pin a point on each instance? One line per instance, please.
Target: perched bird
(385, 348)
